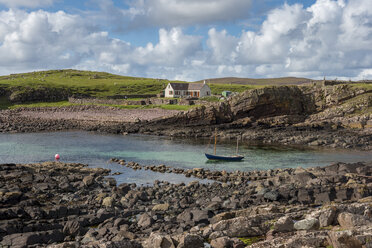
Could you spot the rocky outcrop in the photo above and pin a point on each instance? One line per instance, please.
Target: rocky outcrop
(39, 94)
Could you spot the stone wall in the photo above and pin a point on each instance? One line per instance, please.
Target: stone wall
(131, 96)
(106, 101)
(146, 101)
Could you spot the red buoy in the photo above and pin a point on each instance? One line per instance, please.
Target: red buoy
(57, 157)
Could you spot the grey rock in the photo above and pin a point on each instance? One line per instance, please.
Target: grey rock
(145, 220)
(349, 220)
(73, 228)
(191, 241)
(327, 217)
(284, 224)
(271, 195)
(222, 242)
(307, 224)
(156, 240)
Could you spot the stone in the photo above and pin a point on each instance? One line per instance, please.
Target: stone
(73, 228)
(191, 241)
(201, 216)
(145, 220)
(322, 198)
(327, 217)
(161, 207)
(350, 221)
(284, 224)
(222, 242)
(242, 227)
(156, 240)
(304, 196)
(88, 180)
(271, 195)
(343, 239)
(108, 202)
(307, 224)
(185, 216)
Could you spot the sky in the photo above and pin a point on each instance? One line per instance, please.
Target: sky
(189, 39)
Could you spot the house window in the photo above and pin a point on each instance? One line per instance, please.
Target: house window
(207, 93)
(170, 92)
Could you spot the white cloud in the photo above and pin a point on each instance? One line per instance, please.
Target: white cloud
(330, 38)
(172, 13)
(26, 3)
(42, 40)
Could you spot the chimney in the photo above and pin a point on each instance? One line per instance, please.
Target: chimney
(204, 81)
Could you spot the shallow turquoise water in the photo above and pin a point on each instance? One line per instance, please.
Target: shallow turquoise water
(96, 149)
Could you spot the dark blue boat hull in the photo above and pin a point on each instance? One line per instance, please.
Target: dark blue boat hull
(225, 158)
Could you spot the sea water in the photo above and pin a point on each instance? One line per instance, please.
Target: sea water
(96, 149)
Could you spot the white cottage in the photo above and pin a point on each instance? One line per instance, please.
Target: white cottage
(187, 90)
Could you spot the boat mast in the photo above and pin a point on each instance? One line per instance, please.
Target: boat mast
(215, 140)
(237, 145)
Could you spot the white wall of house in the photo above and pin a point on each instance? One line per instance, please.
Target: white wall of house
(205, 91)
(169, 92)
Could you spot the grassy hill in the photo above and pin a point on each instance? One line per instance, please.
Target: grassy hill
(258, 81)
(98, 84)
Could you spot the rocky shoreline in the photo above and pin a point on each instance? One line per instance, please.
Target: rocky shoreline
(71, 205)
(337, 116)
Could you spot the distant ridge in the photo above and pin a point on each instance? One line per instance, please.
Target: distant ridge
(258, 81)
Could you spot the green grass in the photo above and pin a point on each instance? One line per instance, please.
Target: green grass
(251, 240)
(362, 86)
(210, 99)
(99, 84)
(96, 84)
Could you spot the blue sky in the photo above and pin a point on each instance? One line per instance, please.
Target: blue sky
(189, 39)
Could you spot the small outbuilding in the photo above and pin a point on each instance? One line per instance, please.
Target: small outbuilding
(193, 90)
(226, 93)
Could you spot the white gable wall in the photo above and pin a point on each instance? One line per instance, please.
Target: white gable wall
(169, 90)
(205, 91)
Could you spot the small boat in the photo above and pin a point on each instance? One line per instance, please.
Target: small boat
(226, 158)
(235, 157)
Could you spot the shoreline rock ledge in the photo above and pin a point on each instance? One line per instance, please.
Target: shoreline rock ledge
(55, 204)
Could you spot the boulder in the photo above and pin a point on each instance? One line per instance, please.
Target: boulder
(343, 239)
(73, 228)
(145, 221)
(191, 241)
(307, 224)
(108, 202)
(350, 221)
(222, 242)
(157, 240)
(88, 180)
(161, 207)
(242, 226)
(284, 224)
(327, 217)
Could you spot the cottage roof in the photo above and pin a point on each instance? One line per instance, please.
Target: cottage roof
(179, 86)
(186, 86)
